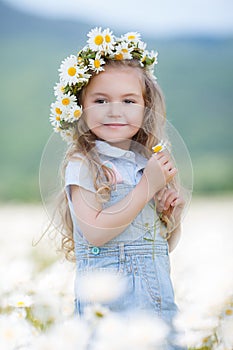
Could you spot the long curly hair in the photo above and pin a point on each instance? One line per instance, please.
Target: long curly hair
(150, 133)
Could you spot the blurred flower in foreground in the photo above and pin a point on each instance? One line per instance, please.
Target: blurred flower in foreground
(72, 334)
(93, 313)
(100, 286)
(14, 332)
(137, 331)
(226, 333)
(20, 301)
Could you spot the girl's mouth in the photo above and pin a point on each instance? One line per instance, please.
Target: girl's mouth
(114, 125)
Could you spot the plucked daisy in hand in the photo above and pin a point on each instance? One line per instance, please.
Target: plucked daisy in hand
(159, 147)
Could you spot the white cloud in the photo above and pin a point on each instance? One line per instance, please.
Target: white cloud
(149, 16)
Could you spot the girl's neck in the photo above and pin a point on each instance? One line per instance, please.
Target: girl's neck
(123, 144)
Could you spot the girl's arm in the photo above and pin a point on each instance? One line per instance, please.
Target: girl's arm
(101, 225)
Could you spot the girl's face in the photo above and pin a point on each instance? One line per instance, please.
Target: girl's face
(114, 105)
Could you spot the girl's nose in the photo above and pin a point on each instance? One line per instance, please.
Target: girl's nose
(115, 109)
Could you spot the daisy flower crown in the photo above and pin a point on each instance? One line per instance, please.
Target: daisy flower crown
(75, 72)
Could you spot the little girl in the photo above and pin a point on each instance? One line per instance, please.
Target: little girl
(122, 202)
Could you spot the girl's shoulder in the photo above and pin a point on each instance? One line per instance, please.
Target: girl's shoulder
(78, 173)
(76, 157)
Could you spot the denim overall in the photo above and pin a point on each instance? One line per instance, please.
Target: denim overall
(139, 253)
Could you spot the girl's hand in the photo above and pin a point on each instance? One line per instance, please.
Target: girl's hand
(170, 203)
(159, 171)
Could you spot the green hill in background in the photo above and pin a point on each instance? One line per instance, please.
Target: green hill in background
(195, 74)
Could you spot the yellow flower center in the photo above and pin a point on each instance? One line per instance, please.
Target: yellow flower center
(58, 111)
(107, 38)
(58, 118)
(228, 312)
(124, 50)
(66, 101)
(119, 56)
(131, 37)
(98, 39)
(71, 71)
(96, 63)
(20, 304)
(157, 148)
(77, 113)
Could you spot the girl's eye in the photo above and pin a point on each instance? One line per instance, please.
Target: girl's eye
(100, 101)
(128, 101)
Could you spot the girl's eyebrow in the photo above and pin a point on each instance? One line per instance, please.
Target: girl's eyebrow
(133, 94)
(124, 95)
(99, 94)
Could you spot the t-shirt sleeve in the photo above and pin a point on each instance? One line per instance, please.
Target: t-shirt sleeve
(78, 173)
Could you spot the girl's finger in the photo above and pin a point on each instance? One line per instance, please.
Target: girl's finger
(164, 197)
(178, 202)
(170, 199)
(161, 193)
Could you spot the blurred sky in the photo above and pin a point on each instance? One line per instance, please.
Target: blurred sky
(153, 17)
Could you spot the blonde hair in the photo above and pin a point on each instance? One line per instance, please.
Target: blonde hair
(151, 132)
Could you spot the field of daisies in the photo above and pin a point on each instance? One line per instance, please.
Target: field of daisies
(36, 288)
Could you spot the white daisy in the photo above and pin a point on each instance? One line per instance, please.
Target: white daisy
(82, 75)
(132, 37)
(57, 128)
(20, 300)
(67, 101)
(56, 108)
(68, 135)
(97, 64)
(55, 120)
(68, 70)
(56, 114)
(141, 45)
(75, 113)
(123, 51)
(109, 41)
(153, 55)
(96, 39)
(59, 89)
(72, 114)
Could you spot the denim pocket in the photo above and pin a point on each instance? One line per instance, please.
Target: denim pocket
(150, 281)
(89, 264)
